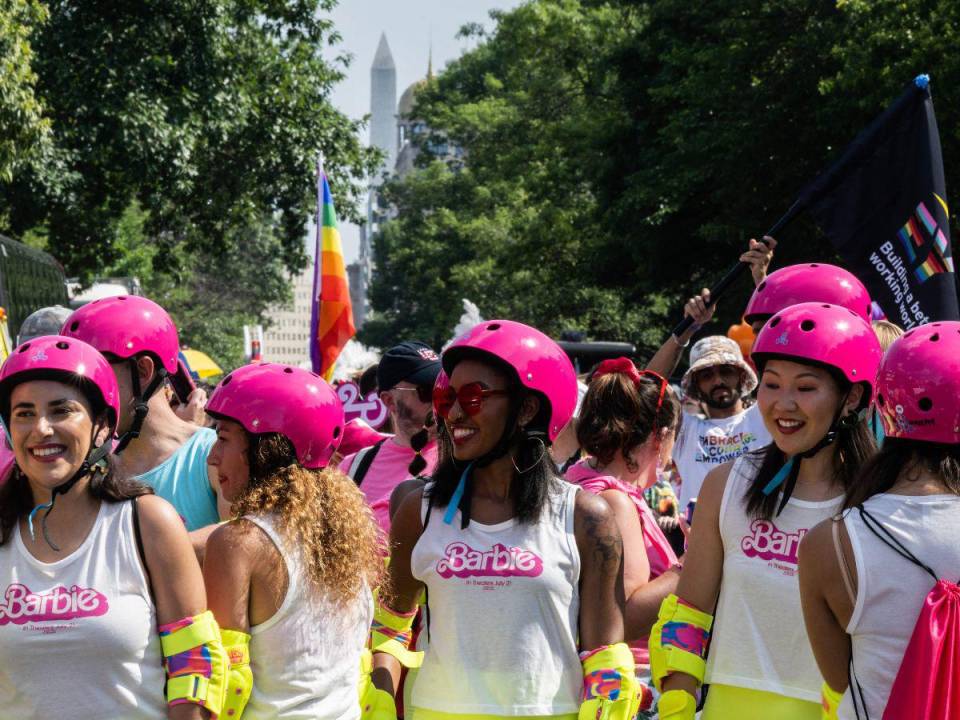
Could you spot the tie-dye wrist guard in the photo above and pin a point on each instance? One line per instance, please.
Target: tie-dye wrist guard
(195, 662)
(679, 641)
(611, 690)
(392, 633)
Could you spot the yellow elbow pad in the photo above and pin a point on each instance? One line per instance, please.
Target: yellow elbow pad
(195, 662)
(375, 704)
(679, 641)
(677, 705)
(611, 690)
(830, 702)
(392, 633)
(240, 676)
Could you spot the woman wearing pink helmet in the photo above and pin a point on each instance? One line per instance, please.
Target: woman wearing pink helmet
(817, 363)
(810, 282)
(290, 578)
(103, 580)
(865, 576)
(521, 571)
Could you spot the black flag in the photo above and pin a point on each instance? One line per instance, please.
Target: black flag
(884, 207)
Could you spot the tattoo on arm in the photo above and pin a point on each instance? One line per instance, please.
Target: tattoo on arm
(606, 546)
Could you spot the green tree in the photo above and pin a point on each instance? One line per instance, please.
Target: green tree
(619, 153)
(23, 129)
(209, 115)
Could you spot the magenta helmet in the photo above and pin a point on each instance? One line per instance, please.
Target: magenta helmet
(128, 325)
(65, 359)
(918, 387)
(540, 364)
(823, 334)
(274, 398)
(814, 282)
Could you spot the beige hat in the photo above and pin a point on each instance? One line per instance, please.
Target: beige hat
(718, 350)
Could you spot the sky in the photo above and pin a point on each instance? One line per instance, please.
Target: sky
(412, 26)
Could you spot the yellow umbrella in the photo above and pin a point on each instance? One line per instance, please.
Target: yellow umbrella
(202, 364)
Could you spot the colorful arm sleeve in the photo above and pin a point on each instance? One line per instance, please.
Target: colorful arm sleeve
(679, 641)
(611, 690)
(195, 662)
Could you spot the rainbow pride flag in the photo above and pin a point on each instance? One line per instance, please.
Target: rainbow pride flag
(332, 315)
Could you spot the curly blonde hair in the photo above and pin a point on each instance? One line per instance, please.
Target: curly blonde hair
(320, 511)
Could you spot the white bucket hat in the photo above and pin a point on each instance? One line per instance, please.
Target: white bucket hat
(718, 350)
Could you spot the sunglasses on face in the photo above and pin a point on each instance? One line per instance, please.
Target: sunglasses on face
(424, 392)
(469, 396)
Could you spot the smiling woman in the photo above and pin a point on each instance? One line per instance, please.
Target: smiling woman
(134, 582)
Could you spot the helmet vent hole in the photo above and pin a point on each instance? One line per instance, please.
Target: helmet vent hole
(288, 370)
(336, 432)
(910, 332)
(880, 400)
(825, 306)
(493, 326)
(775, 322)
(24, 347)
(807, 325)
(226, 380)
(761, 286)
(935, 337)
(122, 297)
(925, 404)
(74, 325)
(813, 265)
(63, 345)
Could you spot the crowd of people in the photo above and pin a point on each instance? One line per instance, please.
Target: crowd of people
(772, 539)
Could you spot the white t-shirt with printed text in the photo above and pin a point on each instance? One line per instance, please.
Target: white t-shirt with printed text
(705, 443)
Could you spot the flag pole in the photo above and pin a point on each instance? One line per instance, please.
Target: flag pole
(316, 360)
(854, 155)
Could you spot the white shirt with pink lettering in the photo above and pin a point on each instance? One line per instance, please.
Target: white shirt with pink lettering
(759, 638)
(504, 610)
(78, 637)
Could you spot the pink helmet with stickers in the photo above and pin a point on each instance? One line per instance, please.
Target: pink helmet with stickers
(128, 325)
(918, 387)
(541, 365)
(822, 334)
(813, 282)
(66, 359)
(274, 398)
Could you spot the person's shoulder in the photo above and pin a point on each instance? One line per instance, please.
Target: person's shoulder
(204, 437)
(591, 508)
(158, 518)
(238, 534)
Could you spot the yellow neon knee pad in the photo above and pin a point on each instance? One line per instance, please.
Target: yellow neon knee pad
(678, 641)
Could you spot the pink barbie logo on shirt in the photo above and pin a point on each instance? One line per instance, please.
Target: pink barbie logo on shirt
(462, 561)
(20, 606)
(768, 542)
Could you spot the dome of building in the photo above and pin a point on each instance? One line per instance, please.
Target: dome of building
(405, 106)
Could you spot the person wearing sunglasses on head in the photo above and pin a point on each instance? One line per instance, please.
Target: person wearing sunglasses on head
(521, 570)
(405, 378)
(627, 424)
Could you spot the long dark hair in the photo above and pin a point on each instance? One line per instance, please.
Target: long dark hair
(16, 499)
(855, 445)
(529, 490)
(898, 458)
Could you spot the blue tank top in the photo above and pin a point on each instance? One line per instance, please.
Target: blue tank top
(182, 480)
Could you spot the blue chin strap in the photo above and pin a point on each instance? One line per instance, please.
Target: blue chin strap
(777, 480)
(33, 513)
(457, 495)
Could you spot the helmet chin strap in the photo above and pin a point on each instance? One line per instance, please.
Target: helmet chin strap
(463, 494)
(140, 407)
(788, 474)
(93, 462)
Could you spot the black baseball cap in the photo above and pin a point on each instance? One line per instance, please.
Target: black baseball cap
(414, 362)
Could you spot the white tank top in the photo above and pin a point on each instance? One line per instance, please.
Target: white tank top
(504, 608)
(306, 658)
(759, 638)
(891, 589)
(78, 637)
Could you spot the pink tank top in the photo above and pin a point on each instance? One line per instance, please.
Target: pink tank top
(659, 552)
